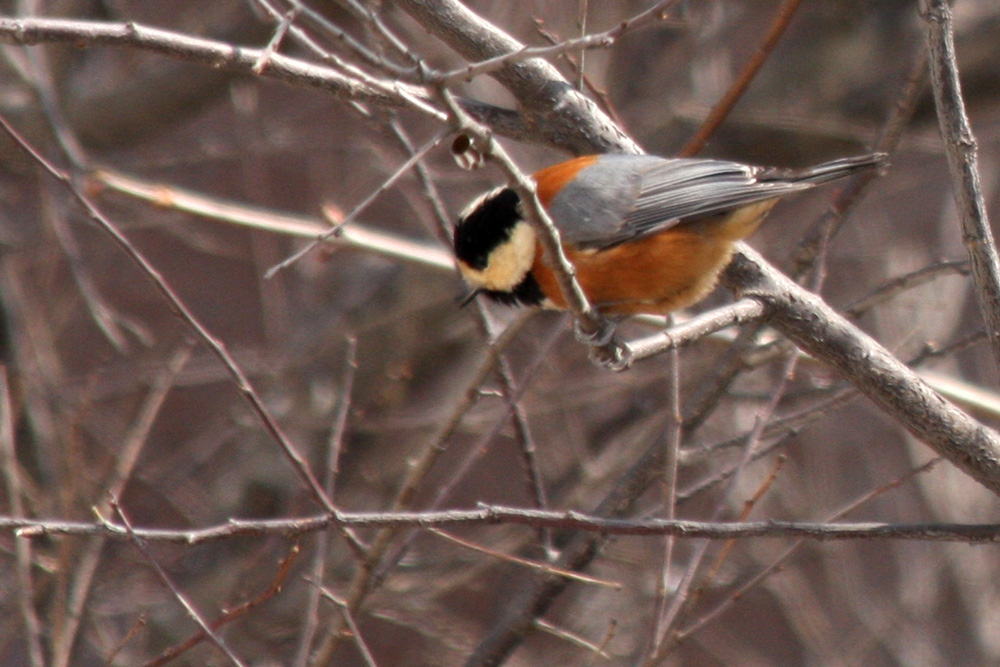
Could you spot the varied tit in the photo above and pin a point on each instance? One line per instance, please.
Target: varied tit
(646, 234)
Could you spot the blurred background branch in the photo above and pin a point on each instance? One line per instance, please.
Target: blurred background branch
(281, 118)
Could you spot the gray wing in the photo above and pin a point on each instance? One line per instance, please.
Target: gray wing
(622, 197)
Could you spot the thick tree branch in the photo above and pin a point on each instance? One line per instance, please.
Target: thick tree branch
(561, 114)
(815, 327)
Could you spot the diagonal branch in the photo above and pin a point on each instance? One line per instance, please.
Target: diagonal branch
(742, 83)
(560, 113)
(185, 314)
(816, 328)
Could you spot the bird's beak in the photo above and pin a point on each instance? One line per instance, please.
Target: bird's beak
(468, 298)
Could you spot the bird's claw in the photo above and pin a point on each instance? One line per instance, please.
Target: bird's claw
(613, 355)
(605, 348)
(603, 334)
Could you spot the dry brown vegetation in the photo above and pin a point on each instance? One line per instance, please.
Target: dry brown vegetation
(158, 378)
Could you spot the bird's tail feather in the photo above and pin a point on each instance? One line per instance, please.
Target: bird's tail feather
(828, 171)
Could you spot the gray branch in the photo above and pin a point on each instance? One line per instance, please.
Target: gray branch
(822, 332)
(960, 147)
(561, 114)
(244, 60)
(497, 515)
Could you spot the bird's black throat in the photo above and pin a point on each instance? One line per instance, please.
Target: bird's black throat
(525, 293)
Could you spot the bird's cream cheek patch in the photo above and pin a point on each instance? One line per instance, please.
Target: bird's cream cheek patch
(508, 264)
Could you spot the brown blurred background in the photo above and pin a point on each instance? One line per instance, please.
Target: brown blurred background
(87, 337)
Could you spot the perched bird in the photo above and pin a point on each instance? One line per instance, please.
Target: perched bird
(646, 234)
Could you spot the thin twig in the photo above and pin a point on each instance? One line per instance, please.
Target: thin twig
(365, 578)
(571, 637)
(681, 599)
(819, 330)
(580, 75)
(581, 23)
(711, 576)
(335, 445)
(276, 39)
(673, 434)
(512, 392)
(133, 444)
(714, 613)
(139, 624)
(579, 126)
(546, 568)
(168, 582)
(33, 67)
(23, 550)
(303, 38)
(480, 448)
(359, 208)
(896, 286)
(230, 615)
(742, 82)
(242, 382)
(696, 328)
(386, 93)
(853, 190)
(602, 40)
(367, 15)
(353, 631)
(487, 515)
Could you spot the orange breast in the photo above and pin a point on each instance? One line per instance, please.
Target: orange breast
(657, 274)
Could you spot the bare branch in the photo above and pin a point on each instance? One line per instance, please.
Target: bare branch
(90, 556)
(579, 126)
(823, 333)
(372, 196)
(212, 208)
(499, 515)
(894, 287)
(725, 105)
(960, 147)
(602, 40)
(697, 327)
(23, 550)
(220, 55)
(298, 463)
(188, 606)
(230, 615)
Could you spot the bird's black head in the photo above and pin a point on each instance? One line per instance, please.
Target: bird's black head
(484, 225)
(495, 248)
